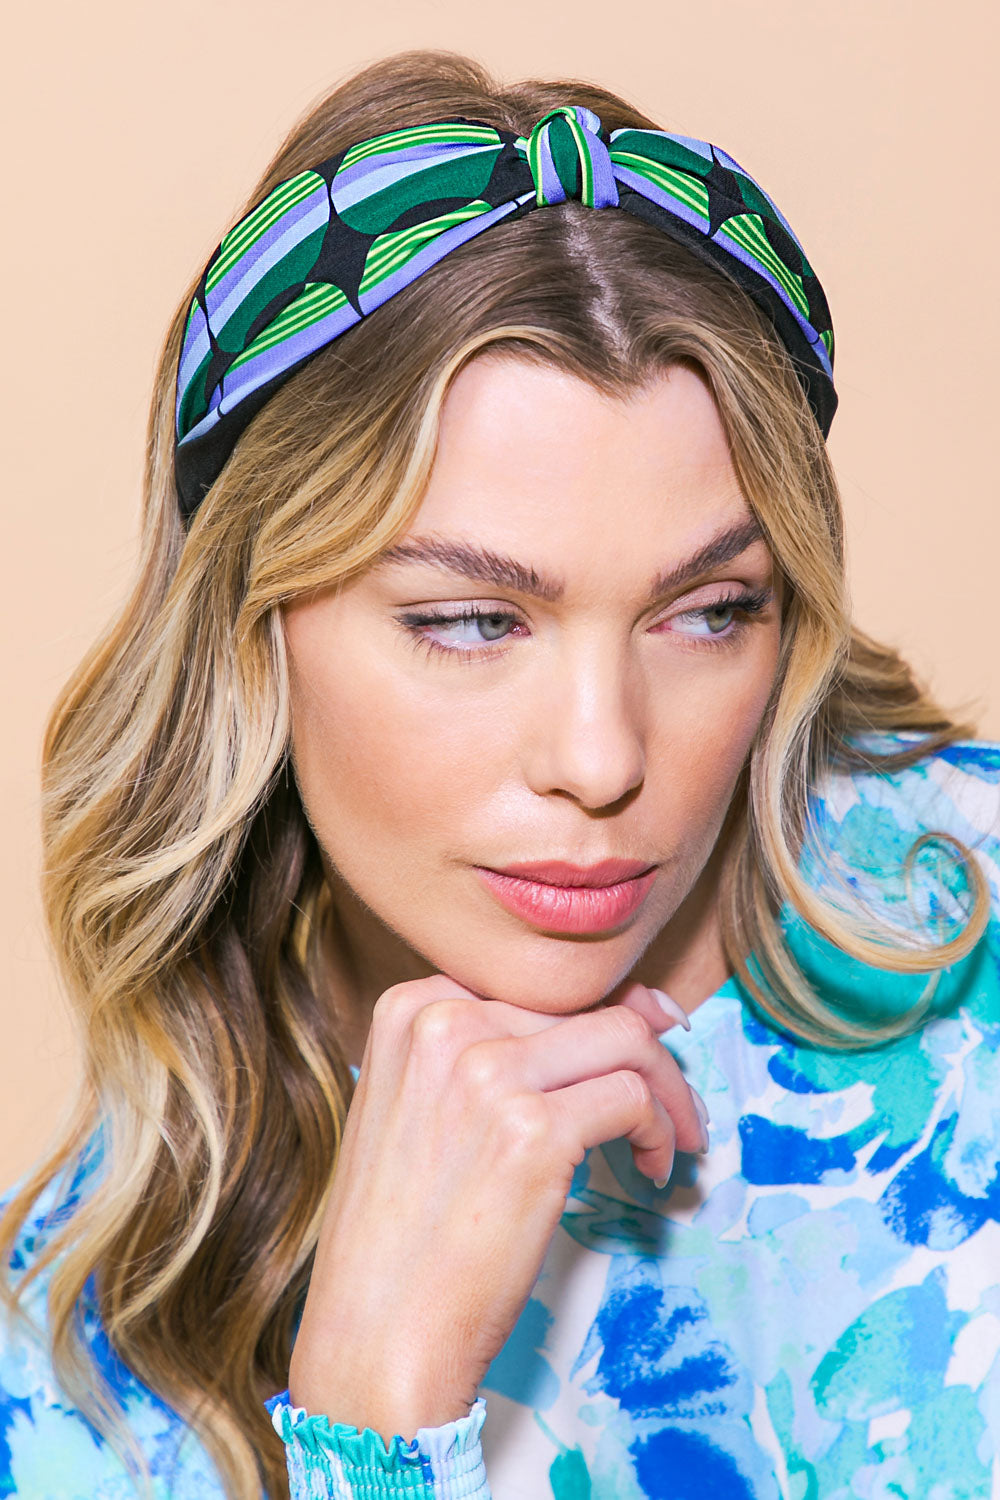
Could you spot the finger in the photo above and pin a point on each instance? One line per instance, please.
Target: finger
(392, 1018)
(613, 1106)
(655, 1006)
(421, 1027)
(412, 994)
(662, 1012)
(515, 1020)
(447, 1014)
(588, 1046)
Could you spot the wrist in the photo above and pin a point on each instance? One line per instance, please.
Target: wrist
(385, 1403)
(342, 1461)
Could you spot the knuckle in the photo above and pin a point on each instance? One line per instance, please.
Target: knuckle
(525, 1128)
(400, 1002)
(478, 1070)
(630, 1028)
(391, 1010)
(637, 1094)
(435, 1026)
(398, 997)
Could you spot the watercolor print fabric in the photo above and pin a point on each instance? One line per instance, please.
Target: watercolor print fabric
(812, 1310)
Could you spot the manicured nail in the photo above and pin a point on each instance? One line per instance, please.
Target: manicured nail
(660, 1182)
(699, 1104)
(670, 1008)
(701, 1109)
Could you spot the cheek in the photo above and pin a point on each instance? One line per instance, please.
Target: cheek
(380, 767)
(727, 725)
(705, 745)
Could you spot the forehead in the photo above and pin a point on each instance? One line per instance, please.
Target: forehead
(531, 453)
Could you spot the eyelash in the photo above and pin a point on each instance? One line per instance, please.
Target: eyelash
(747, 604)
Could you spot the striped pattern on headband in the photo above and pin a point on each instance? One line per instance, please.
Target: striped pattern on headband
(328, 246)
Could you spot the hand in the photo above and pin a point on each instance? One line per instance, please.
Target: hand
(468, 1120)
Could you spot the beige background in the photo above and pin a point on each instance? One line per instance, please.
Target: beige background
(133, 131)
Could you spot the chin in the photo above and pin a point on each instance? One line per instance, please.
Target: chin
(554, 977)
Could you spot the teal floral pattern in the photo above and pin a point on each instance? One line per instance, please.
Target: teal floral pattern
(811, 1311)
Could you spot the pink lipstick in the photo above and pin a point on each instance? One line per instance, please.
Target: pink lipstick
(571, 898)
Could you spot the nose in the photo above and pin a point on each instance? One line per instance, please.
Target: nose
(584, 730)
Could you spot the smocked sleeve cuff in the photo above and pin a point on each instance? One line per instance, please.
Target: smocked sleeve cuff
(333, 1461)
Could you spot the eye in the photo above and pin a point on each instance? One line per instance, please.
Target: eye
(716, 618)
(471, 631)
(492, 626)
(723, 620)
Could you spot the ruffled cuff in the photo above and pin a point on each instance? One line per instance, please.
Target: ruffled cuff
(334, 1461)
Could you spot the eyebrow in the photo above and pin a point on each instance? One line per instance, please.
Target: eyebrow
(485, 566)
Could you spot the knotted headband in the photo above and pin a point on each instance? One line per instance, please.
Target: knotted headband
(328, 246)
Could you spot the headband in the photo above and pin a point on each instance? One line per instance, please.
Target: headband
(328, 246)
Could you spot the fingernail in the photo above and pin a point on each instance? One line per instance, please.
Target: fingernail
(701, 1108)
(671, 1009)
(660, 1182)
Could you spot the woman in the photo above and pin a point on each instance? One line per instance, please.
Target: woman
(487, 730)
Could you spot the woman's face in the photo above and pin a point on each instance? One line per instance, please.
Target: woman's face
(609, 640)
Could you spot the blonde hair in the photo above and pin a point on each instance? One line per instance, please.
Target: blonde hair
(183, 886)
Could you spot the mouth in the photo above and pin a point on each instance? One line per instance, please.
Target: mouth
(559, 897)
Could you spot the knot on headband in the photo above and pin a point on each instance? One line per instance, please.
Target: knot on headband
(568, 159)
(328, 246)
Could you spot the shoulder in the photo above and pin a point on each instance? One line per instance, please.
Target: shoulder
(871, 817)
(49, 1212)
(54, 1206)
(47, 1447)
(891, 850)
(44, 1446)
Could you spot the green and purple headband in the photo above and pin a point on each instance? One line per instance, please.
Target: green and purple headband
(331, 244)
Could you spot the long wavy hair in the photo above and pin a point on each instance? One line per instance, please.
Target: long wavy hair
(183, 886)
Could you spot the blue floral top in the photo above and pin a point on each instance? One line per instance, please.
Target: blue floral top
(810, 1312)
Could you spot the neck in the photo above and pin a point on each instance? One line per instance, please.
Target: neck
(687, 958)
(364, 959)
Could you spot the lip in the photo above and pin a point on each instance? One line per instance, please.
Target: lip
(558, 872)
(573, 908)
